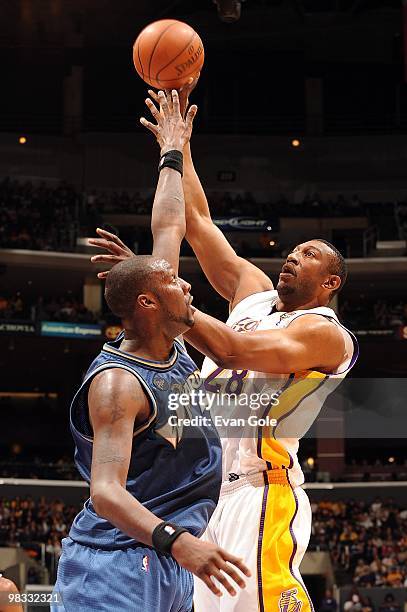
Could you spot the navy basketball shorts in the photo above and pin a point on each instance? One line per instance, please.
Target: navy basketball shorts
(126, 580)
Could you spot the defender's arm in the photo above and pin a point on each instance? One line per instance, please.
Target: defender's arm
(168, 216)
(310, 342)
(116, 400)
(172, 132)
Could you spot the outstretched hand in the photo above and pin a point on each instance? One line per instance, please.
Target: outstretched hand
(172, 131)
(183, 93)
(116, 250)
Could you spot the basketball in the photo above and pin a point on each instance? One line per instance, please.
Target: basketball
(167, 53)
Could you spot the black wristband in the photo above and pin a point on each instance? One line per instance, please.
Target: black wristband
(172, 159)
(164, 536)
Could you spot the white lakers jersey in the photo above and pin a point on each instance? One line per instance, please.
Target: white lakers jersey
(261, 416)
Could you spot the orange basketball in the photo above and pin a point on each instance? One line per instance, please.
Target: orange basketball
(167, 53)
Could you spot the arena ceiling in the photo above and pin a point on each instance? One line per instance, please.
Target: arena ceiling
(61, 23)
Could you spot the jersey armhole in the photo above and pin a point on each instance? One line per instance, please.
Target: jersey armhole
(150, 398)
(352, 336)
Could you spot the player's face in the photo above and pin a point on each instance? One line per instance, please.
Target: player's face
(305, 271)
(176, 301)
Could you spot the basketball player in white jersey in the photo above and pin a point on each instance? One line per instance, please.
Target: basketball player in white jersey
(287, 344)
(290, 344)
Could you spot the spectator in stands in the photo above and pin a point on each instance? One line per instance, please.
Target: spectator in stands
(367, 605)
(389, 604)
(369, 541)
(4, 307)
(354, 603)
(329, 603)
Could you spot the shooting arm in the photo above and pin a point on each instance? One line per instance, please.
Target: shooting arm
(233, 277)
(310, 342)
(115, 401)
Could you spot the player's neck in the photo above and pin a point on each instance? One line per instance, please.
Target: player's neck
(286, 305)
(156, 347)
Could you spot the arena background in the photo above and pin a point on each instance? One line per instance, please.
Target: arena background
(301, 131)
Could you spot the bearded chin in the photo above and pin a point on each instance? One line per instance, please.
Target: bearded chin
(284, 290)
(187, 319)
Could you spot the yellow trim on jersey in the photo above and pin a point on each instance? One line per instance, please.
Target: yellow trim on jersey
(278, 589)
(304, 384)
(145, 362)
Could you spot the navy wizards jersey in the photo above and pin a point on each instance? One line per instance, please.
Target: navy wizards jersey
(174, 472)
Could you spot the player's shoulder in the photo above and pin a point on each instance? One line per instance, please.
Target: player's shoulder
(115, 383)
(262, 301)
(312, 321)
(114, 375)
(322, 328)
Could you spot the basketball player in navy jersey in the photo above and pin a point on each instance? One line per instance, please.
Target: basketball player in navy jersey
(135, 543)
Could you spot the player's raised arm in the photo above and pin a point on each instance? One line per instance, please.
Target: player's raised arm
(232, 276)
(172, 132)
(310, 342)
(168, 226)
(116, 403)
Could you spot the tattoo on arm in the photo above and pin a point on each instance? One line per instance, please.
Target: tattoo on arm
(118, 413)
(110, 459)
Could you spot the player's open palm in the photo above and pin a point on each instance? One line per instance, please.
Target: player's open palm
(172, 130)
(116, 250)
(208, 561)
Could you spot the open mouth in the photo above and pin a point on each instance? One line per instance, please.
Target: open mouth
(288, 269)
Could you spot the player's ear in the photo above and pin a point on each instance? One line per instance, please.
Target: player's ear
(332, 283)
(147, 301)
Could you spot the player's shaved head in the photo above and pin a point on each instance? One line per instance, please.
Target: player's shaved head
(130, 278)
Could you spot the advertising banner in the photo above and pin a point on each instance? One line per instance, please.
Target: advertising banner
(70, 330)
(26, 328)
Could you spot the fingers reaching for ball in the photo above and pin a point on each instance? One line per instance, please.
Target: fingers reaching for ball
(183, 93)
(172, 129)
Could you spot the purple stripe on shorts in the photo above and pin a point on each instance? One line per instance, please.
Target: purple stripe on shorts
(295, 546)
(259, 548)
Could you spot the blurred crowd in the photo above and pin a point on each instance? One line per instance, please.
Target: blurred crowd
(367, 540)
(51, 217)
(70, 308)
(98, 202)
(359, 602)
(381, 314)
(39, 217)
(225, 203)
(29, 524)
(35, 467)
(66, 308)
